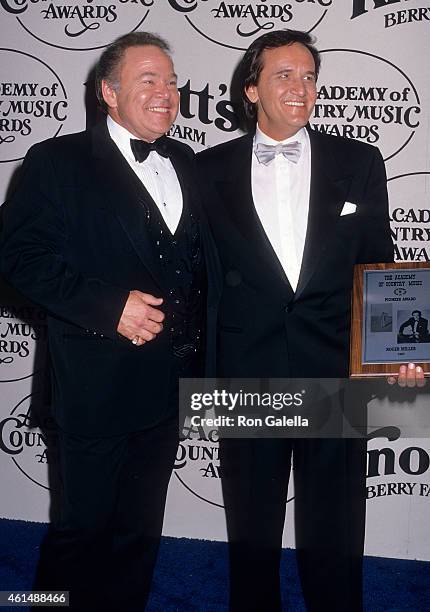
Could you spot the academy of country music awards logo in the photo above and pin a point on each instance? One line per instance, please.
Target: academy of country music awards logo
(33, 103)
(235, 24)
(394, 15)
(410, 216)
(23, 341)
(81, 25)
(197, 466)
(28, 438)
(366, 97)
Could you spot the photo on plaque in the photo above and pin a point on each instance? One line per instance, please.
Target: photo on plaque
(396, 311)
(381, 318)
(414, 326)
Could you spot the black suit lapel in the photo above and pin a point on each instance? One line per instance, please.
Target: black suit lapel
(236, 197)
(328, 192)
(126, 197)
(182, 172)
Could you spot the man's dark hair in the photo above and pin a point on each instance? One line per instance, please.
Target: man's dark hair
(108, 65)
(251, 64)
(416, 311)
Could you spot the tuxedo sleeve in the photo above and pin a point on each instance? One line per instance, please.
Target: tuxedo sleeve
(378, 247)
(34, 243)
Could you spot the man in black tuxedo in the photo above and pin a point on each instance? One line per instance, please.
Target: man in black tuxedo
(104, 233)
(418, 328)
(291, 210)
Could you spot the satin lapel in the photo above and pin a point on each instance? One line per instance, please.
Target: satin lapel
(182, 172)
(328, 193)
(126, 198)
(236, 197)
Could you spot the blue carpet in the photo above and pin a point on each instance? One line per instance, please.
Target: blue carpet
(192, 575)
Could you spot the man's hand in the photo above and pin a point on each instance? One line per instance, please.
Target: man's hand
(408, 376)
(141, 319)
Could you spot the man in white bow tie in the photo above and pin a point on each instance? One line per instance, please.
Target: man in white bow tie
(291, 210)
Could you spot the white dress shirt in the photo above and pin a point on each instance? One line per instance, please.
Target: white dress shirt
(156, 173)
(281, 191)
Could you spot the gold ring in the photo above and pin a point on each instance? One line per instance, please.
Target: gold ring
(135, 340)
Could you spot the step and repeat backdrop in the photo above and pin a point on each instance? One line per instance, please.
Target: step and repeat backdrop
(374, 86)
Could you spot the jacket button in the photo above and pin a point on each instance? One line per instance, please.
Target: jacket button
(289, 307)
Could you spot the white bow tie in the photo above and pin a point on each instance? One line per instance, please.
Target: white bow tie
(266, 153)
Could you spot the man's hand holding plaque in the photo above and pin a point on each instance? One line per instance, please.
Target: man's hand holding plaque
(409, 375)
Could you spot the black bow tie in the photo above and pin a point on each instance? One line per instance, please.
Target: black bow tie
(142, 149)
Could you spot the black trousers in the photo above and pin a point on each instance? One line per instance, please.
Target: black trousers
(105, 546)
(329, 507)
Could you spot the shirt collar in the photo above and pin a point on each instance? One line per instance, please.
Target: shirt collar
(121, 137)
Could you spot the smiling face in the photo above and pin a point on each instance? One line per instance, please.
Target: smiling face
(286, 90)
(145, 99)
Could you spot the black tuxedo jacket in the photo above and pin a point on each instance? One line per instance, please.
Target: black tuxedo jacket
(263, 327)
(422, 327)
(75, 241)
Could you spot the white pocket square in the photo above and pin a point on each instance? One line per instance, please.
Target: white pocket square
(348, 208)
